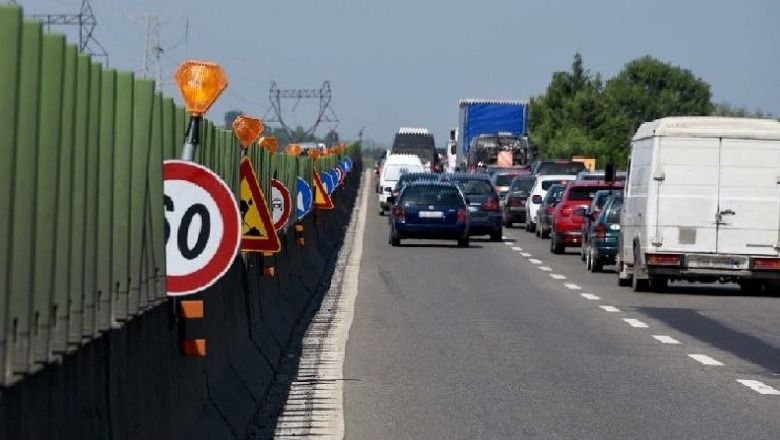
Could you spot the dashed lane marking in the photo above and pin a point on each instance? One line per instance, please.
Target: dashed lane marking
(759, 387)
(635, 323)
(572, 286)
(534, 261)
(518, 249)
(665, 339)
(590, 296)
(611, 309)
(704, 359)
(545, 268)
(525, 254)
(556, 276)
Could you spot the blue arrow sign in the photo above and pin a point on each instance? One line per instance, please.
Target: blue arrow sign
(348, 162)
(327, 180)
(305, 198)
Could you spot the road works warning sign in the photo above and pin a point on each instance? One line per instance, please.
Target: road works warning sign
(257, 228)
(322, 198)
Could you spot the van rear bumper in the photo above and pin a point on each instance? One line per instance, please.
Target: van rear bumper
(690, 267)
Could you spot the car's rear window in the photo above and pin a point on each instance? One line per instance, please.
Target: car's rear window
(554, 193)
(613, 211)
(548, 183)
(477, 187)
(523, 185)
(583, 193)
(504, 179)
(560, 168)
(431, 195)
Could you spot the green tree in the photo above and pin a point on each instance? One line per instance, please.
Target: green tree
(726, 109)
(648, 89)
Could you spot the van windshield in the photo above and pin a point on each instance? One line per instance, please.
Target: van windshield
(393, 172)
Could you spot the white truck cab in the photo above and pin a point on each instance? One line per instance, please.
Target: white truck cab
(702, 203)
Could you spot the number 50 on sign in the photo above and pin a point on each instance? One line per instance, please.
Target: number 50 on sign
(202, 227)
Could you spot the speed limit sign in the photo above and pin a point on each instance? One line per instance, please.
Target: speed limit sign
(202, 227)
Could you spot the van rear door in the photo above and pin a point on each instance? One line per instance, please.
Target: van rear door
(686, 180)
(748, 215)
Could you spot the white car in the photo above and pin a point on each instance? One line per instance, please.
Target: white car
(539, 190)
(394, 166)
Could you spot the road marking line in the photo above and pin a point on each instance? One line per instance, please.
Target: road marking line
(525, 254)
(590, 296)
(759, 387)
(518, 249)
(557, 276)
(534, 261)
(508, 243)
(611, 309)
(665, 339)
(504, 237)
(635, 323)
(545, 268)
(572, 286)
(704, 359)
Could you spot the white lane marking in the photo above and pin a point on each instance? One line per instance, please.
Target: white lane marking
(518, 249)
(759, 387)
(504, 237)
(534, 261)
(572, 286)
(611, 309)
(590, 296)
(665, 339)
(545, 268)
(704, 359)
(525, 254)
(635, 323)
(556, 276)
(508, 243)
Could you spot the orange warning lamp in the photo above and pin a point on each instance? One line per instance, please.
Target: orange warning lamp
(247, 130)
(200, 83)
(293, 149)
(314, 154)
(269, 143)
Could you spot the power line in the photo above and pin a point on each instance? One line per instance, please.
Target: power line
(325, 114)
(85, 20)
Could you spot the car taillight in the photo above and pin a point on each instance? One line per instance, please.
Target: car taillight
(566, 211)
(398, 213)
(490, 204)
(516, 201)
(600, 231)
(463, 215)
(537, 199)
(663, 259)
(766, 263)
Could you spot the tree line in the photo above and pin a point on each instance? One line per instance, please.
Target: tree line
(581, 114)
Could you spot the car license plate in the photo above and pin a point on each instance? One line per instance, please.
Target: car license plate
(431, 214)
(717, 262)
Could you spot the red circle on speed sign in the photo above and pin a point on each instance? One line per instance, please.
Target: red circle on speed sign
(202, 227)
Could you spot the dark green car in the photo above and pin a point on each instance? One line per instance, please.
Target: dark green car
(602, 245)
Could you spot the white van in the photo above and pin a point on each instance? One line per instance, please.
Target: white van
(394, 166)
(702, 202)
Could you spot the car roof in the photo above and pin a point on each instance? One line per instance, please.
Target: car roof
(595, 183)
(466, 176)
(426, 182)
(420, 174)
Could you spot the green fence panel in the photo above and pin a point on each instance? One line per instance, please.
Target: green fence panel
(89, 324)
(169, 129)
(46, 193)
(105, 195)
(182, 119)
(143, 96)
(79, 211)
(123, 142)
(10, 46)
(22, 197)
(64, 204)
(154, 253)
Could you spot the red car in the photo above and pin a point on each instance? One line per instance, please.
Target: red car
(566, 224)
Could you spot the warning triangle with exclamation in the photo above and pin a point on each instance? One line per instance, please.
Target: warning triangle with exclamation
(257, 228)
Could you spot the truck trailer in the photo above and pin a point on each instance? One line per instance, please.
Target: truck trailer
(490, 132)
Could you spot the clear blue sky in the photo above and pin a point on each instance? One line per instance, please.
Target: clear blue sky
(408, 62)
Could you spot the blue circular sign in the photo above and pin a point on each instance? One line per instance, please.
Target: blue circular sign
(304, 198)
(327, 181)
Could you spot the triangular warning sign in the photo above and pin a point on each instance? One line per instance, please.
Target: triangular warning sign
(322, 199)
(257, 228)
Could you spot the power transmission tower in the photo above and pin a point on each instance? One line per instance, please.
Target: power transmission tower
(86, 22)
(325, 114)
(153, 50)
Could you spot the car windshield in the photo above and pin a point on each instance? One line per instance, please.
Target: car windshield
(560, 168)
(477, 187)
(431, 195)
(554, 193)
(548, 183)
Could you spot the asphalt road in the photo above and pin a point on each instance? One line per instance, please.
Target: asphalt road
(508, 341)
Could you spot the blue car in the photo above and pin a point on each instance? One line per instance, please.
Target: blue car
(429, 209)
(484, 205)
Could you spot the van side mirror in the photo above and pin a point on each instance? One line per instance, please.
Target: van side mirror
(452, 148)
(391, 200)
